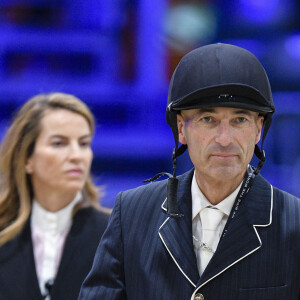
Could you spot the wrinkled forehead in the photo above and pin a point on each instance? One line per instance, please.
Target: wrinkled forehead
(219, 110)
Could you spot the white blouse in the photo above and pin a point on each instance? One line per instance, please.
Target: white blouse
(48, 232)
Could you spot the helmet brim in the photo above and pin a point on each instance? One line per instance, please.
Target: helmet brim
(229, 95)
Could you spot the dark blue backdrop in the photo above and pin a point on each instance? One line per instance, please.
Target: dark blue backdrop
(118, 55)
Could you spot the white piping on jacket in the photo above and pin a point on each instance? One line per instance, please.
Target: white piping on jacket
(254, 226)
(193, 284)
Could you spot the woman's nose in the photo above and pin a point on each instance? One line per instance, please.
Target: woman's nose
(75, 151)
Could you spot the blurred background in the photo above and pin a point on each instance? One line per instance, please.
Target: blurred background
(118, 56)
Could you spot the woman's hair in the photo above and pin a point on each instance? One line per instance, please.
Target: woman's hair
(17, 146)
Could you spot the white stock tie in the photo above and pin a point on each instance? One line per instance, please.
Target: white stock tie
(210, 219)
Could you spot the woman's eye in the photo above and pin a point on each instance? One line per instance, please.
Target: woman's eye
(85, 143)
(58, 143)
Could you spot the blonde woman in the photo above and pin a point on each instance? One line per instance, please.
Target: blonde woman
(50, 219)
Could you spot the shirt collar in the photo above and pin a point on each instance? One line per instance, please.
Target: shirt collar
(199, 201)
(57, 221)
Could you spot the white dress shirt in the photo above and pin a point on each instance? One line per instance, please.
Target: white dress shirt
(199, 202)
(49, 231)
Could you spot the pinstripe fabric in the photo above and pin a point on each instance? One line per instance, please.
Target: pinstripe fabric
(146, 255)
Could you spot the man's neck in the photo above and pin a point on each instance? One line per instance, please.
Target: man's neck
(217, 190)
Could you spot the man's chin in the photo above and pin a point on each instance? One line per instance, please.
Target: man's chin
(226, 172)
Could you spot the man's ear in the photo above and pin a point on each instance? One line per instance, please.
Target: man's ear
(260, 123)
(180, 126)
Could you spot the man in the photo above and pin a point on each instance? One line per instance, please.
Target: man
(219, 231)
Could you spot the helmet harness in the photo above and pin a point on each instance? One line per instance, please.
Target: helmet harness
(216, 75)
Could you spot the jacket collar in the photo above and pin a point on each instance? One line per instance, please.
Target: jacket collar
(176, 234)
(242, 238)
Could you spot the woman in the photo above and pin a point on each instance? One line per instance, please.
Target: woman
(50, 220)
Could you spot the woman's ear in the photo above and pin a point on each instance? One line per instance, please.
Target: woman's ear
(180, 126)
(28, 166)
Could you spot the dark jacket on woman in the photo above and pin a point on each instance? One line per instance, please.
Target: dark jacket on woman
(18, 277)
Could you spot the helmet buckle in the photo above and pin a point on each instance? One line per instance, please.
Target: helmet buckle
(226, 97)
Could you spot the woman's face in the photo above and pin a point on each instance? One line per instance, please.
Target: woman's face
(62, 154)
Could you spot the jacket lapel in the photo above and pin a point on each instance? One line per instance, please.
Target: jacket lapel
(73, 241)
(176, 233)
(18, 265)
(29, 262)
(242, 238)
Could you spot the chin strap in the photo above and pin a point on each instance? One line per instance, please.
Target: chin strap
(172, 205)
(259, 152)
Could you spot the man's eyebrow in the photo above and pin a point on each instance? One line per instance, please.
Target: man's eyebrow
(243, 112)
(202, 110)
(239, 111)
(214, 110)
(206, 110)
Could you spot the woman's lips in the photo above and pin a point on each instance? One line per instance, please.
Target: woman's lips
(75, 172)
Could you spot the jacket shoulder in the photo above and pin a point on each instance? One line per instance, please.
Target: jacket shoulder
(286, 198)
(154, 190)
(90, 219)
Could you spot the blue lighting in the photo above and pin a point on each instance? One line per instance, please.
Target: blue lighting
(258, 48)
(292, 46)
(265, 12)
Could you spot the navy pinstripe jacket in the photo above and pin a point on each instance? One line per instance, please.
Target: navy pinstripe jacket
(144, 254)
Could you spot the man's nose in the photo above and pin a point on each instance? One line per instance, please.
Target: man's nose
(224, 134)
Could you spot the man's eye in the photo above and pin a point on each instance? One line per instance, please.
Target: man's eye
(207, 119)
(241, 119)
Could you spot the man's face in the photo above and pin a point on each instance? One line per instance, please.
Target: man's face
(220, 141)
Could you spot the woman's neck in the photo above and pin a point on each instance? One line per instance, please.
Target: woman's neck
(54, 201)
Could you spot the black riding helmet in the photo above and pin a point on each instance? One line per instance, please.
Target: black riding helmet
(217, 75)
